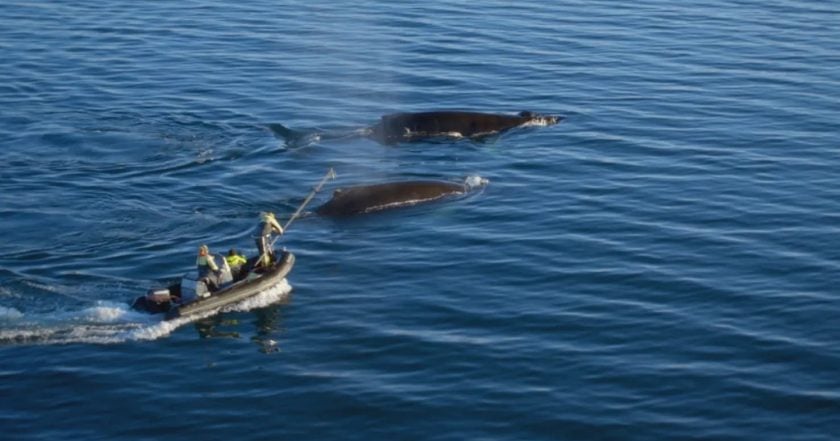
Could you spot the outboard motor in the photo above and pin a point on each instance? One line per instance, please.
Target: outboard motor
(155, 301)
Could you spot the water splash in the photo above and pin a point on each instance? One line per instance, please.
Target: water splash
(110, 323)
(542, 121)
(474, 181)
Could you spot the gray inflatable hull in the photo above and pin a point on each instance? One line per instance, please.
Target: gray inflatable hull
(238, 291)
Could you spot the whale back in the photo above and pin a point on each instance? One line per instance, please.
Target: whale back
(376, 197)
(398, 127)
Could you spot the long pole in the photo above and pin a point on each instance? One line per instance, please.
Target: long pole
(330, 175)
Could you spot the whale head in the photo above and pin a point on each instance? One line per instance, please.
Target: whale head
(535, 119)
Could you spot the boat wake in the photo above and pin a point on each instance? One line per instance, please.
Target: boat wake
(110, 323)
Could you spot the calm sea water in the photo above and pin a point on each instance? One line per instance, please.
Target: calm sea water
(663, 265)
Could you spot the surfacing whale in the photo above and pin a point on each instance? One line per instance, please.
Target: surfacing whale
(377, 197)
(407, 127)
(418, 126)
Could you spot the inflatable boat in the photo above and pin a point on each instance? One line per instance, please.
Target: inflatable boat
(192, 295)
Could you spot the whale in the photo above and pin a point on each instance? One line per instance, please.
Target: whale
(371, 198)
(448, 125)
(408, 127)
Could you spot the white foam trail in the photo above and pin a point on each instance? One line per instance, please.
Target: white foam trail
(265, 298)
(103, 312)
(109, 323)
(9, 313)
(161, 329)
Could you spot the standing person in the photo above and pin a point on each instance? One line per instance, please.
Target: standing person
(207, 268)
(267, 227)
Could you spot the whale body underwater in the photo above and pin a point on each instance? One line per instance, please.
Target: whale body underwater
(377, 197)
(418, 126)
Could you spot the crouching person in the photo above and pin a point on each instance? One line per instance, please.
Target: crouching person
(236, 262)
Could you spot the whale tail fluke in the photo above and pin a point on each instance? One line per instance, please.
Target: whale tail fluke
(303, 138)
(281, 131)
(294, 138)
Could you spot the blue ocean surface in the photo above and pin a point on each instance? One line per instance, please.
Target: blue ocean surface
(662, 265)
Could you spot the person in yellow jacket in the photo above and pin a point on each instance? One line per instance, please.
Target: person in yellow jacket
(234, 258)
(236, 262)
(262, 235)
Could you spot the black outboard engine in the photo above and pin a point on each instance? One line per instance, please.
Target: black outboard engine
(155, 301)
